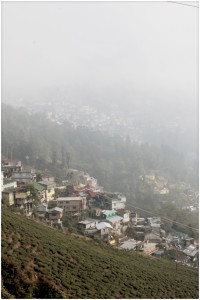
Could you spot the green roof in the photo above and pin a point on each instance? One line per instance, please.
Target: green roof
(178, 234)
(37, 186)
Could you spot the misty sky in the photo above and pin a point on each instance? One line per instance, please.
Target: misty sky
(148, 47)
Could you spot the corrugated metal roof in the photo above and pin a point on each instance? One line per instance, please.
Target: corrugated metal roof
(10, 160)
(114, 219)
(103, 225)
(88, 221)
(108, 212)
(56, 209)
(43, 204)
(130, 244)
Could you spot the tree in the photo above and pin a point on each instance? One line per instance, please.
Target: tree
(39, 177)
(63, 157)
(54, 158)
(68, 159)
(33, 193)
(4, 200)
(130, 231)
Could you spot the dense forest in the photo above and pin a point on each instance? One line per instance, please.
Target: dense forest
(41, 262)
(117, 164)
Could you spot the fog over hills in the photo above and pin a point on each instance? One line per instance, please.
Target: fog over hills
(136, 59)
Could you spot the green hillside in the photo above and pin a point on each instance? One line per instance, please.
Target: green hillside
(40, 262)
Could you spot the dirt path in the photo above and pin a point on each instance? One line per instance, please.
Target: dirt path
(34, 251)
(10, 237)
(16, 246)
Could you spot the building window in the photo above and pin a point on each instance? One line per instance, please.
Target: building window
(74, 207)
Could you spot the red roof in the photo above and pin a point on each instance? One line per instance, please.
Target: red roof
(10, 160)
(90, 186)
(81, 189)
(22, 185)
(73, 195)
(92, 194)
(121, 211)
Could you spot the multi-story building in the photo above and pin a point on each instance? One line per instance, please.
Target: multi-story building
(8, 196)
(124, 214)
(8, 166)
(71, 204)
(6, 183)
(24, 176)
(117, 202)
(55, 214)
(49, 189)
(40, 190)
(23, 200)
(105, 214)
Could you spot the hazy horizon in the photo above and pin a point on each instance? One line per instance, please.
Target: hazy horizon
(147, 47)
(133, 54)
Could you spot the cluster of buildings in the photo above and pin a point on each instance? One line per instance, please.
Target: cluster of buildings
(151, 238)
(161, 186)
(15, 183)
(98, 214)
(112, 120)
(90, 117)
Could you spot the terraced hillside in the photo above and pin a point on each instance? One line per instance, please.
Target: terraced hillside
(40, 262)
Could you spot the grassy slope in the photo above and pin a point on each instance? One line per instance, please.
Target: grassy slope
(40, 262)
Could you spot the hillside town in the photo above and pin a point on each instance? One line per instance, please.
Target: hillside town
(109, 118)
(92, 212)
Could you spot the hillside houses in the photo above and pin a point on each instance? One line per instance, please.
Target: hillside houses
(23, 199)
(192, 252)
(131, 244)
(97, 229)
(88, 224)
(42, 209)
(55, 215)
(93, 212)
(70, 204)
(24, 176)
(49, 189)
(15, 186)
(41, 190)
(8, 184)
(52, 216)
(155, 223)
(8, 166)
(8, 197)
(111, 201)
